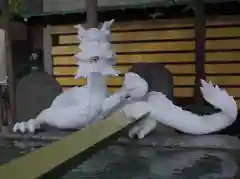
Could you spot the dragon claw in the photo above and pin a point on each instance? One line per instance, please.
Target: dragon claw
(23, 127)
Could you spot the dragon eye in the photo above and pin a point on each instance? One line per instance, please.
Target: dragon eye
(94, 59)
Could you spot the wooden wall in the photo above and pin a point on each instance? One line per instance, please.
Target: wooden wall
(163, 41)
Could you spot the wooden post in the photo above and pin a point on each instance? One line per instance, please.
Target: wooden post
(200, 34)
(5, 24)
(92, 15)
(58, 158)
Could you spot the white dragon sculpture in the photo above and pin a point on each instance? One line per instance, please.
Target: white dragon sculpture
(80, 106)
(160, 109)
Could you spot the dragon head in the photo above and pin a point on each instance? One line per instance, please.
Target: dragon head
(96, 53)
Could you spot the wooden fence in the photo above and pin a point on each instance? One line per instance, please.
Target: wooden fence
(170, 42)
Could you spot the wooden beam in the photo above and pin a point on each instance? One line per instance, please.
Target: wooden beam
(5, 24)
(56, 159)
(92, 15)
(200, 34)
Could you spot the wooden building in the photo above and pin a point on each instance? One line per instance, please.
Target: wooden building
(160, 41)
(153, 33)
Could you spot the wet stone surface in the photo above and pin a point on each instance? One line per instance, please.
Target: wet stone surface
(140, 163)
(164, 157)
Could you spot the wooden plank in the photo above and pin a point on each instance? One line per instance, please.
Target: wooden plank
(49, 159)
(151, 24)
(115, 81)
(64, 70)
(178, 80)
(183, 80)
(159, 46)
(223, 32)
(118, 81)
(72, 70)
(222, 68)
(225, 80)
(222, 56)
(136, 36)
(158, 58)
(130, 25)
(174, 68)
(183, 92)
(223, 20)
(178, 91)
(223, 44)
(160, 35)
(235, 92)
(132, 47)
(140, 58)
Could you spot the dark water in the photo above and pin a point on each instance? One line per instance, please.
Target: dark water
(148, 163)
(10, 150)
(133, 162)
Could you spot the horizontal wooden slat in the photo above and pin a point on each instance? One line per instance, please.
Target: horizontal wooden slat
(150, 24)
(183, 80)
(65, 50)
(160, 35)
(64, 70)
(222, 56)
(188, 92)
(115, 81)
(178, 92)
(118, 81)
(174, 68)
(183, 92)
(223, 44)
(133, 47)
(72, 70)
(138, 58)
(136, 36)
(158, 58)
(223, 20)
(64, 60)
(225, 80)
(223, 32)
(159, 46)
(235, 92)
(222, 68)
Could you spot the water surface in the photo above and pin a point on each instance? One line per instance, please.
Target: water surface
(134, 162)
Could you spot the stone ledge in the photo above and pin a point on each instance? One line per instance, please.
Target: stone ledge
(186, 141)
